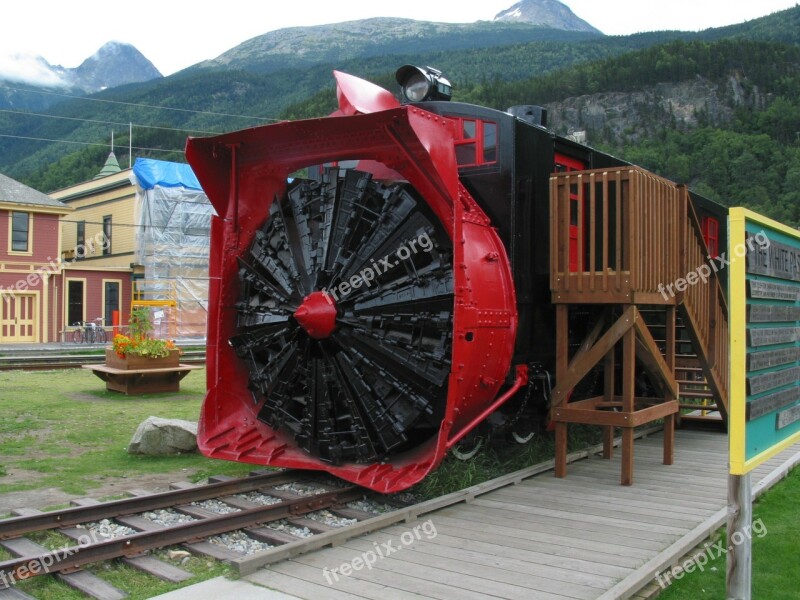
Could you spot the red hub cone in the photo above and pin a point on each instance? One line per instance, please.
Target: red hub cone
(317, 315)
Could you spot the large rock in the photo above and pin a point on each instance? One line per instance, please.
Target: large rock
(157, 436)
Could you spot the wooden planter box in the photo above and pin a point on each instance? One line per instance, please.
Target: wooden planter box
(142, 362)
(135, 375)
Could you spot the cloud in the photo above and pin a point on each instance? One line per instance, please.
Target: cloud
(27, 68)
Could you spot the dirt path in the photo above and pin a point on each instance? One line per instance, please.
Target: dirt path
(113, 486)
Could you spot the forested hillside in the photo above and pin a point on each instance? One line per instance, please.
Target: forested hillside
(718, 109)
(735, 138)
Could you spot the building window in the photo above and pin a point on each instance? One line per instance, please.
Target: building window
(106, 235)
(74, 302)
(476, 142)
(20, 231)
(80, 239)
(112, 301)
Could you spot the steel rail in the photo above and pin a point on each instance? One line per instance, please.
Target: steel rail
(68, 361)
(17, 526)
(73, 557)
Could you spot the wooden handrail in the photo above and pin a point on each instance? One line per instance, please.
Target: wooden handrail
(626, 236)
(614, 234)
(705, 306)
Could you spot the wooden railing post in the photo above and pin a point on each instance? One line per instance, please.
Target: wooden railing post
(628, 236)
(683, 228)
(605, 232)
(580, 251)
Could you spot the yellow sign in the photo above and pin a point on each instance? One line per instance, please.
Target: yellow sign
(764, 303)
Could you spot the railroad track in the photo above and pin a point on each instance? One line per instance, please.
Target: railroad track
(73, 361)
(276, 509)
(299, 531)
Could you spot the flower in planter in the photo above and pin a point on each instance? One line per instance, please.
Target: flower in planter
(124, 345)
(139, 342)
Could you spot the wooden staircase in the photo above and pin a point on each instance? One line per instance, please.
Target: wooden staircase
(697, 401)
(630, 243)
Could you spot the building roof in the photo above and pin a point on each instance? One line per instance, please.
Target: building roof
(92, 187)
(111, 166)
(14, 192)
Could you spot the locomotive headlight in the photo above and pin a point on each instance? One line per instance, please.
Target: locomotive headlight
(416, 88)
(423, 83)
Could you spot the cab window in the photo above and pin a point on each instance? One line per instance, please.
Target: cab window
(476, 142)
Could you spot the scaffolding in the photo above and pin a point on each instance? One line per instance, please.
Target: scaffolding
(173, 220)
(160, 297)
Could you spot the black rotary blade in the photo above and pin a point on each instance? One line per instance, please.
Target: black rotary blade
(377, 384)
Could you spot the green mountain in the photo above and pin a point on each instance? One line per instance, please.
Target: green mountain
(303, 47)
(258, 79)
(631, 94)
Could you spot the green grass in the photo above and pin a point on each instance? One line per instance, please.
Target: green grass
(137, 584)
(62, 429)
(775, 548)
(498, 459)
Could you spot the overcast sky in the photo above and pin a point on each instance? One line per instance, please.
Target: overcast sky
(174, 34)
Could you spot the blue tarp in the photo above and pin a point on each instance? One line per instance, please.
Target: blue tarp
(151, 173)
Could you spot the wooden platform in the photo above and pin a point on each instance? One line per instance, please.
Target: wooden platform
(142, 381)
(542, 538)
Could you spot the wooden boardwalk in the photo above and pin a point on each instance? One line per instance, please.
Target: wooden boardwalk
(582, 537)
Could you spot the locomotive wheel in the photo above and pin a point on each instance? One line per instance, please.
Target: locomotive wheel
(522, 437)
(467, 448)
(346, 316)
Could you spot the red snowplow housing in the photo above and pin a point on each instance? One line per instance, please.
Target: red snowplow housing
(243, 173)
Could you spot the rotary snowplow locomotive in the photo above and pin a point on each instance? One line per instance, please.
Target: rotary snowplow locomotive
(369, 313)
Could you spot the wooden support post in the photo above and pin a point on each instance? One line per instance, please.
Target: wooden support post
(669, 439)
(626, 477)
(562, 362)
(608, 395)
(608, 442)
(582, 363)
(628, 399)
(669, 421)
(628, 370)
(561, 450)
(562, 342)
(740, 516)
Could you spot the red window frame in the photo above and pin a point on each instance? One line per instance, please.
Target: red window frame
(711, 235)
(565, 164)
(476, 142)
